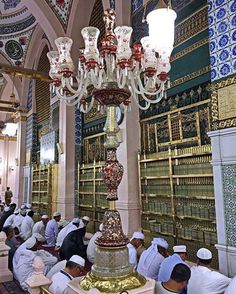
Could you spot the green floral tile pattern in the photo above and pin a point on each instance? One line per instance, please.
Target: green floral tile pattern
(229, 187)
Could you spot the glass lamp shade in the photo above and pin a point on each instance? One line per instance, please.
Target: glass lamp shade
(10, 129)
(90, 35)
(53, 57)
(161, 30)
(149, 59)
(123, 35)
(64, 46)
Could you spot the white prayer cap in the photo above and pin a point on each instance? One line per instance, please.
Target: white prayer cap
(44, 216)
(160, 242)
(138, 235)
(38, 237)
(77, 259)
(100, 227)
(86, 218)
(180, 249)
(30, 242)
(22, 206)
(16, 211)
(6, 209)
(28, 205)
(204, 254)
(57, 213)
(76, 220)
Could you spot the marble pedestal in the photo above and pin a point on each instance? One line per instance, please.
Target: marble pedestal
(148, 288)
(5, 274)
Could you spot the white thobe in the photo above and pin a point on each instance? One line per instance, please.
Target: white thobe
(149, 263)
(23, 264)
(91, 246)
(9, 221)
(51, 232)
(231, 289)
(133, 259)
(64, 232)
(18, 221)
(59, 283)
(26, 227)
(39, 228)
(56, 268)
(205, 281)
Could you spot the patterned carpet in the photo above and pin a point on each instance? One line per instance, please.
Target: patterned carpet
(11, 288)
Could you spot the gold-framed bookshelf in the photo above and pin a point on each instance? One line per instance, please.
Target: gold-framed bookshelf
(177, 197)
(44, 189)
(92, 193)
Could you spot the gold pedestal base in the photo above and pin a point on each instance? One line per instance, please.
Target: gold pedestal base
(113, 285)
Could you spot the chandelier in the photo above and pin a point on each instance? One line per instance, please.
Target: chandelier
(140, 72)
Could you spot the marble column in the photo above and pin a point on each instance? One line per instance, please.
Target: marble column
(20, 154)
(224, 170)
(128, 203)
(66, 167)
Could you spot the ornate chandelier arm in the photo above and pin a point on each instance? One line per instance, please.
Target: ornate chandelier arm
(64, 97)
(72, 103)
(82, 108)
(71, 89)
(136, 99)
(144, 91)
(97, 82)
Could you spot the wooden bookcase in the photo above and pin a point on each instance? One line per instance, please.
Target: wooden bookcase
(177, 197)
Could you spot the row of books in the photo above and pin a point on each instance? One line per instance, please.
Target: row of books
(186, 169)
(158, 206)
(156, 189)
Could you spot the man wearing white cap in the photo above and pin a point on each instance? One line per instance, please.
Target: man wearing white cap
(51, 231)
(27, 226)
(40, 226)
(23, 262)
(10, 220)
(73, 225)
(169, 263)
(203, 279)
(19, 219)
(151, 259)
(74, 268)
(136, 241)
(92, 246)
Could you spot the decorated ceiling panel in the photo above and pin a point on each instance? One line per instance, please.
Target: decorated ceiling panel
(62, 9)
(16, 27)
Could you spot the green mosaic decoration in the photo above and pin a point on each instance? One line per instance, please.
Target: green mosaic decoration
(229, 188)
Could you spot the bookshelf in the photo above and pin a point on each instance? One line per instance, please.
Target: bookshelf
(44, 189)
(92, 194)
(177, 197)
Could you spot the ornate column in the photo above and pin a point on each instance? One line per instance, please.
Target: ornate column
(66, 168)
(223, 138)
(21, 118)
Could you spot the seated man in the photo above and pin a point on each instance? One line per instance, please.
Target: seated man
(23, 262)
(73, 245)
(231, 289)
(151, 259)
(74, 268)
(136, 241)
(203, 279)
(92, 246)
(9, 231)
(178, 281)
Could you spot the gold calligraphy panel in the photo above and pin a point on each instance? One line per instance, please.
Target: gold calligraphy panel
(227, 102)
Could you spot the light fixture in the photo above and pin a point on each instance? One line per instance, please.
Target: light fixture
(140, 73)
(115, 73)
(9, 129)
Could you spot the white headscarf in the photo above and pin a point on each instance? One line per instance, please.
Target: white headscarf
(152, 250)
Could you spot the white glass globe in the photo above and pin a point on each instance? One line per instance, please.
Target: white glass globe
(10, 129)
(162, 29)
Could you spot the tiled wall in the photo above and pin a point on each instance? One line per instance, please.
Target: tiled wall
(222, 32)
(229, 186)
